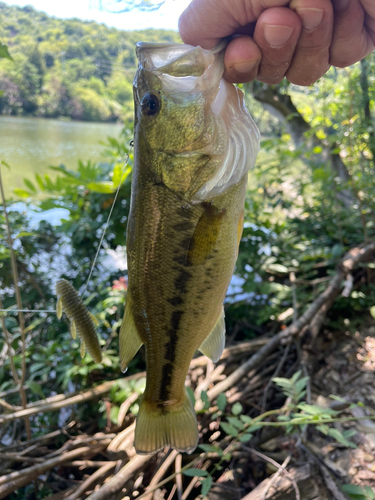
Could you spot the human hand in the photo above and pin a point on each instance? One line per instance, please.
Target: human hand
(273, 39)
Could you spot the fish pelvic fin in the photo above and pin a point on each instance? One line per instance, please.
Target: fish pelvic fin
(174, 426)
(130, 341)
(214, 344)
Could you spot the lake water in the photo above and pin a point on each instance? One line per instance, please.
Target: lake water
(31, 145)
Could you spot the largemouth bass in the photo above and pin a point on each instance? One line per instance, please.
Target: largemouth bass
(194, 142)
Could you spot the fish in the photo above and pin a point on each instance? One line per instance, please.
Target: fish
(194, 142)
(81, 320)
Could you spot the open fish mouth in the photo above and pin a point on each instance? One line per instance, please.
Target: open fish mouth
(230, 138)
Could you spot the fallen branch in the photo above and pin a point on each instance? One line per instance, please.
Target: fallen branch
(350, 260)
(303, 477)
(61, 401)
(161, 472)
(117, 482)
(11, 482)
(90, 481)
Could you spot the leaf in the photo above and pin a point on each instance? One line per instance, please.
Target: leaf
(190, 391)
(229, 429)
(101, 187)
(246, 419)
(221, 402)
(22, 234)
(209, 448)
(245, 437)
(36, 388)
(296, 376)
(336, 434)
(301, 384)
(40, 182)
(236, 422)
(30, 185)
(4, 53)
(277, 268)
(254, 428)
(195, 472)
(34, 324)
(21, 192)
(2, 162)
(237, 408)
(206, 485)
(283, 382)
(370, 493)
(372, 311)
(355, 491)
(37, 366)
(113, 414)
(205, 400)
(349, 433)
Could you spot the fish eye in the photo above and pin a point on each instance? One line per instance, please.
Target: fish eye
(150, 104)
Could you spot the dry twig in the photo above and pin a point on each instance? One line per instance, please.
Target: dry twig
(350, 260)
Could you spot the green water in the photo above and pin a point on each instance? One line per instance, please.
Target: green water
(31, 145)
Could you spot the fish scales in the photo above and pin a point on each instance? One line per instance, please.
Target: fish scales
(77, 313)
(183, 301)
(185, 222)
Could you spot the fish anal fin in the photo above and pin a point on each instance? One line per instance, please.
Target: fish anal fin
(205, 235)
(174, 426)
(130, 341)
(214, 344)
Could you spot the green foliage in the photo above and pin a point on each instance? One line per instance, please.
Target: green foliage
(359, 492)
(294, 388)
(45, 253)
(69, 68)
(4, 53)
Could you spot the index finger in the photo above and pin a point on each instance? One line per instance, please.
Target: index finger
(206, 22)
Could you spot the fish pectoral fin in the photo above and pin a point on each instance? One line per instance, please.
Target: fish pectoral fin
(205, 236)
(130, 341)
(174, 426)
(214, 344)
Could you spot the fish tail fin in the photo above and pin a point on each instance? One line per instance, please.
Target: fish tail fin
(174, 426)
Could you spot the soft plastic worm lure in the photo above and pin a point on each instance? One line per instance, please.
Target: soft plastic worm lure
(81, 320)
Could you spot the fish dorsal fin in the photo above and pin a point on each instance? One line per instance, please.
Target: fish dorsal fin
(214, 344)
(130, 341)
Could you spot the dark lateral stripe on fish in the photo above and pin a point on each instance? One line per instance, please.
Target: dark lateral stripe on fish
(166, 377)
(185, 225)
(182, 280)
(175, 301)
(170, 354)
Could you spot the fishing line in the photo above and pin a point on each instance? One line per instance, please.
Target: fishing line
(99, 247)
(29, 310)
(107, 223)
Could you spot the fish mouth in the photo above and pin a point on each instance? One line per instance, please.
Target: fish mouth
(179, 60)
(231, 139)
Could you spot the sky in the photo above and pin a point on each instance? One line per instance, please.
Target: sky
(164, 18)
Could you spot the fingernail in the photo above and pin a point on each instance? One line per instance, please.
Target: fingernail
(276, 35)
(244, 67)
(311, 18)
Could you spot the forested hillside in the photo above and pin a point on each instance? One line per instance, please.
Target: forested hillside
(71, 68)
